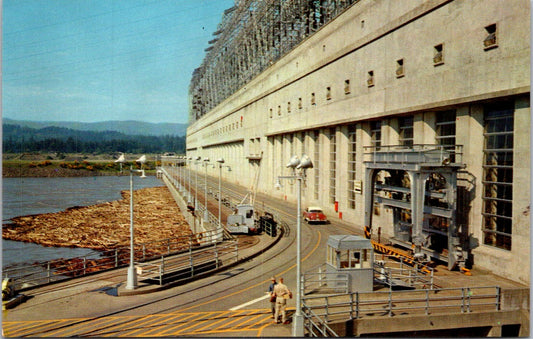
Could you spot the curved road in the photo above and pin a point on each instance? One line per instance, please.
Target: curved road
(230, 303)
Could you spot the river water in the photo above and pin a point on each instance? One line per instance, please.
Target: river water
(25, 196)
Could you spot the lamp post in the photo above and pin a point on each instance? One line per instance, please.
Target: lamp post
(196, 183)
(189, 195)
(220, 162)
(178, 170)
(206, 212)
(180, 173)
(131, 282)
(295, 163)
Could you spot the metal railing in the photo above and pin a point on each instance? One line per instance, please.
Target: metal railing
(396, 272)
(317, 280)
(200, 210)
(40, 273)
(341, 307)
(189, 264)
(227, 200)
(315, 325)
(418, 153)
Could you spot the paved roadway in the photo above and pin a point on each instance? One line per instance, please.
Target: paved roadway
(230, 303)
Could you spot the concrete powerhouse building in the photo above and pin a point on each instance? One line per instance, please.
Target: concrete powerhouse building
(415, 113)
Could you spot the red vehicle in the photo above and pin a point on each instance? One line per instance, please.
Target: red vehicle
(315, 215)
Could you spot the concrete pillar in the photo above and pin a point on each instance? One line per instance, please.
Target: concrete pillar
(342, 168)
(521, 180)
(429, 128)
(368, 192)
(473, 151)
(363, 139)
(389, 132)
(419, 130)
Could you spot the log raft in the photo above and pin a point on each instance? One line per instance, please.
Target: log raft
(104, 226)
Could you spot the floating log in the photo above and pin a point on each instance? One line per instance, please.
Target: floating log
(104, 226)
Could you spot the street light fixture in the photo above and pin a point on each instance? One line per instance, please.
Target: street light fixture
(121, 159)
(131, 282)
(302, 165)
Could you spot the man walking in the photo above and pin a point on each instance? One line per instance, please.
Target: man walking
(282, 293)
(272, 296)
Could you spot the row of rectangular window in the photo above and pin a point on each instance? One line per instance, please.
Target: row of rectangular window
(489, 42)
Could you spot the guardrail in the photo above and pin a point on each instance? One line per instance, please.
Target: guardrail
(318, 281)
(315, 325)
(418, 153)
(395, 272)
(227, 200)
(41, 273)
(189, 264)
(342, 307)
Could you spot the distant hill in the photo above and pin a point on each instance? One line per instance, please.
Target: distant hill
(127, 127)
(20, 139)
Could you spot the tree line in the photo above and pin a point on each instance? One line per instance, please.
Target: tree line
(18, 139)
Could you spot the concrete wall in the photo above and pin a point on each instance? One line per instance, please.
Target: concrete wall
(371, 36)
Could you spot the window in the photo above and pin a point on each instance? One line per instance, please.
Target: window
(288, 107)
(279, 109)
(438, 56)
(375, 134)
(328, 93)
(405, 126)
(491, 39)
(445, 133)
(370, 79)
(271, 113)
(352, 157)
(332, 165)
(399, 68)
(300, 105)
(498, 176)
(347, 86)
(313, 101)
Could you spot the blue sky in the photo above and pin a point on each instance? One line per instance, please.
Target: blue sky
(97, 60)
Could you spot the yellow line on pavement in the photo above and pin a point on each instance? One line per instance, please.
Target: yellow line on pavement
(84, 326)
(216, 322)
(136, 319)
(37, 326)
(166, 331)
(260, 331)
(263, 318)
(238, 316)
(258, 284)
(156, 326)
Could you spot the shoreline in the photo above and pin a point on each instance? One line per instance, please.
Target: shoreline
(103, 226)
(56, 172)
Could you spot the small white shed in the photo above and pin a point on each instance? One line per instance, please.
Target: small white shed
(351, 256)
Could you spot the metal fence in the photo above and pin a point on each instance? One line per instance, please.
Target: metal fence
(317, 280)
(341, 307)
(189, 264)
(227, 200)
(392, 273)
(27, 276)
(315, 325)
(397, 273)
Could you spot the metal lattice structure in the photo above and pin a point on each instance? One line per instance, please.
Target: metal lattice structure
(252, 35)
